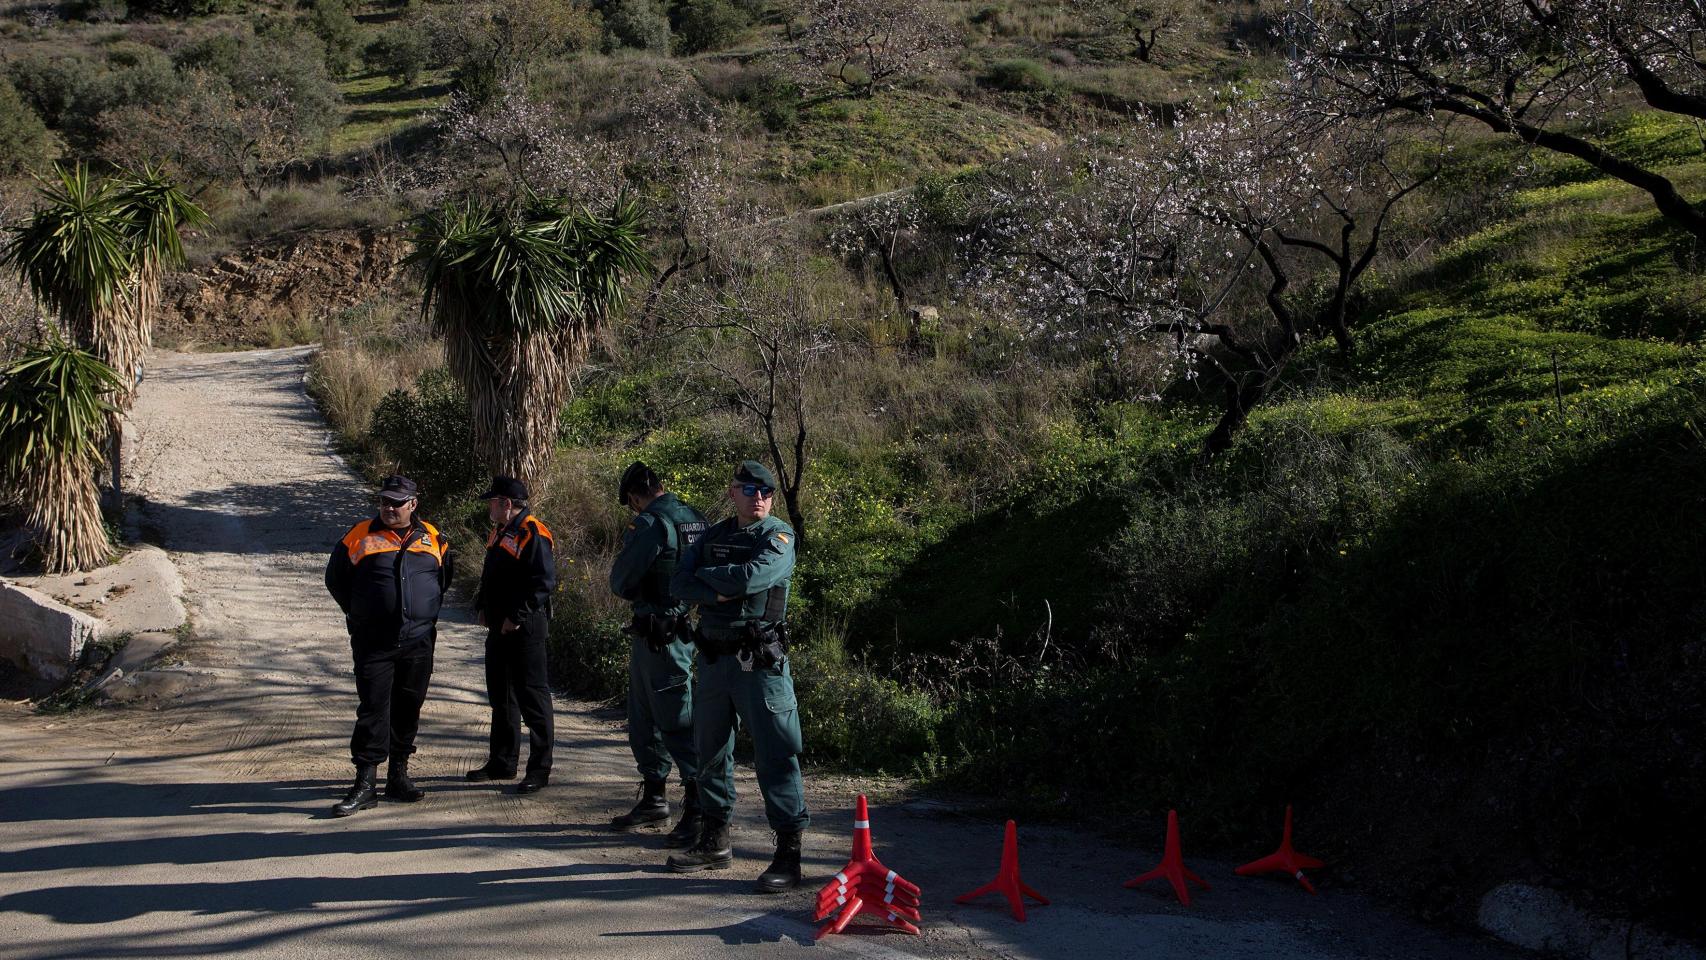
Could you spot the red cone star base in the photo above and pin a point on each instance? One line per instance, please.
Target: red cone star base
(866, 886)
(1007, 882)
(1285, 858)
(1172, 865)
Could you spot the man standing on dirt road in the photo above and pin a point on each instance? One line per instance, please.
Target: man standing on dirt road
(738, 575)
(514, 605)
(660, 665)
(388, 575)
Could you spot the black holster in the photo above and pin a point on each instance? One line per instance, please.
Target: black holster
(658, 632)
(764, 646)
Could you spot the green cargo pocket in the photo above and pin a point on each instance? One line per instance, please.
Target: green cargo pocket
(672, 702)
(784, 712)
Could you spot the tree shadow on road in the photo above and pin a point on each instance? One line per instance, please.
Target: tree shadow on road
(100, 799)
(332, 902)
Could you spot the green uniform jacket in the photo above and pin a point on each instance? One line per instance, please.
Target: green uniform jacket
(750, 565)
(650, 550)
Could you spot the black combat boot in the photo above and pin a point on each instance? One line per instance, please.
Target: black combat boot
(489, 771)
(651, 808)
(710, 852)
(398, 786)
(783, 873)
(362, 795)
(687, 830)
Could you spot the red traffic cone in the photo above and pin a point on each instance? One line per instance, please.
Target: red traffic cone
(1172, 865)
(866, 886)
(1007, 880)
(1285, 858)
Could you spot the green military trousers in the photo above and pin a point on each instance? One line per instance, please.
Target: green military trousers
(660, 710)
(763, 701)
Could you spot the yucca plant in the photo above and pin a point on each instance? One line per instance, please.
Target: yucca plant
(78, 256)
(55, 406)
(153, 211)
(518, 291)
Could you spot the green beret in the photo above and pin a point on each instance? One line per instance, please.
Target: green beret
(751, 471)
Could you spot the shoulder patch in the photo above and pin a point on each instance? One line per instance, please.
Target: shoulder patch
(784, 538)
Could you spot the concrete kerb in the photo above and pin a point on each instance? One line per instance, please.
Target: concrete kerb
(47, 623)
(42, 635)
(1536, 918)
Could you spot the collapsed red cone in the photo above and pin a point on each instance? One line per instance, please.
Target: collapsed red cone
(1007, 882)
(866, 886)
(1284, 859)
(1172, 865)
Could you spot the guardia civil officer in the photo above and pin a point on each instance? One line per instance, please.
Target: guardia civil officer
(737, 574)
(660, 664)
(388, 575)
(514, 604)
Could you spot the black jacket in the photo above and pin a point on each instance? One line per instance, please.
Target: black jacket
(390, 584)
(519, 573)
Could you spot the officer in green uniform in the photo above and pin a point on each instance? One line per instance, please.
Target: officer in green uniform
(660, 664)
(737, 574)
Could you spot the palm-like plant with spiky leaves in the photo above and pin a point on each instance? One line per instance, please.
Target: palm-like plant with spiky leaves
(154, 212)
(518, 290)
(77, 254)
(93, 254)
(55, 405)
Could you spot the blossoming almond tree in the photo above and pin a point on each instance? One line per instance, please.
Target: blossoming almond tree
(1204, 241)
(867, 45)
(1543, 72)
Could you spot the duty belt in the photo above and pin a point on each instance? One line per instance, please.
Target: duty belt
(757, 644)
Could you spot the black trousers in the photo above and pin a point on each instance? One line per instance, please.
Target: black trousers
(517, 689)
(391, 684)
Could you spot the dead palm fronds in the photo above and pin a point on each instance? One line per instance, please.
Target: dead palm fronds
(55, 405)
(518, 291)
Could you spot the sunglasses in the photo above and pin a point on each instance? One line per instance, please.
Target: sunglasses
(394, 504)
(756, 490)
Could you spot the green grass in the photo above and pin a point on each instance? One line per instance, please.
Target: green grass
(845, 148)
(376, 108)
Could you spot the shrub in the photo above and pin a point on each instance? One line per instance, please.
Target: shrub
(73, 93)
(430, 432)
(105, 11)
(186, 8)
(400, 52)
(214, 52)
(55, 87)
(25, 144)
(331, 22)
(1018, 75)
(774, 96)
(588, 650)
(710, 25)
(854, 716)
(637, 24)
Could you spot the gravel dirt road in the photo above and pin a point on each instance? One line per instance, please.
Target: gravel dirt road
(197, 825)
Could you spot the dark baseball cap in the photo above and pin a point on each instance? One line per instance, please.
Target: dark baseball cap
(639, 477)
(397, 488)
(751, 471)
(507, 487)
